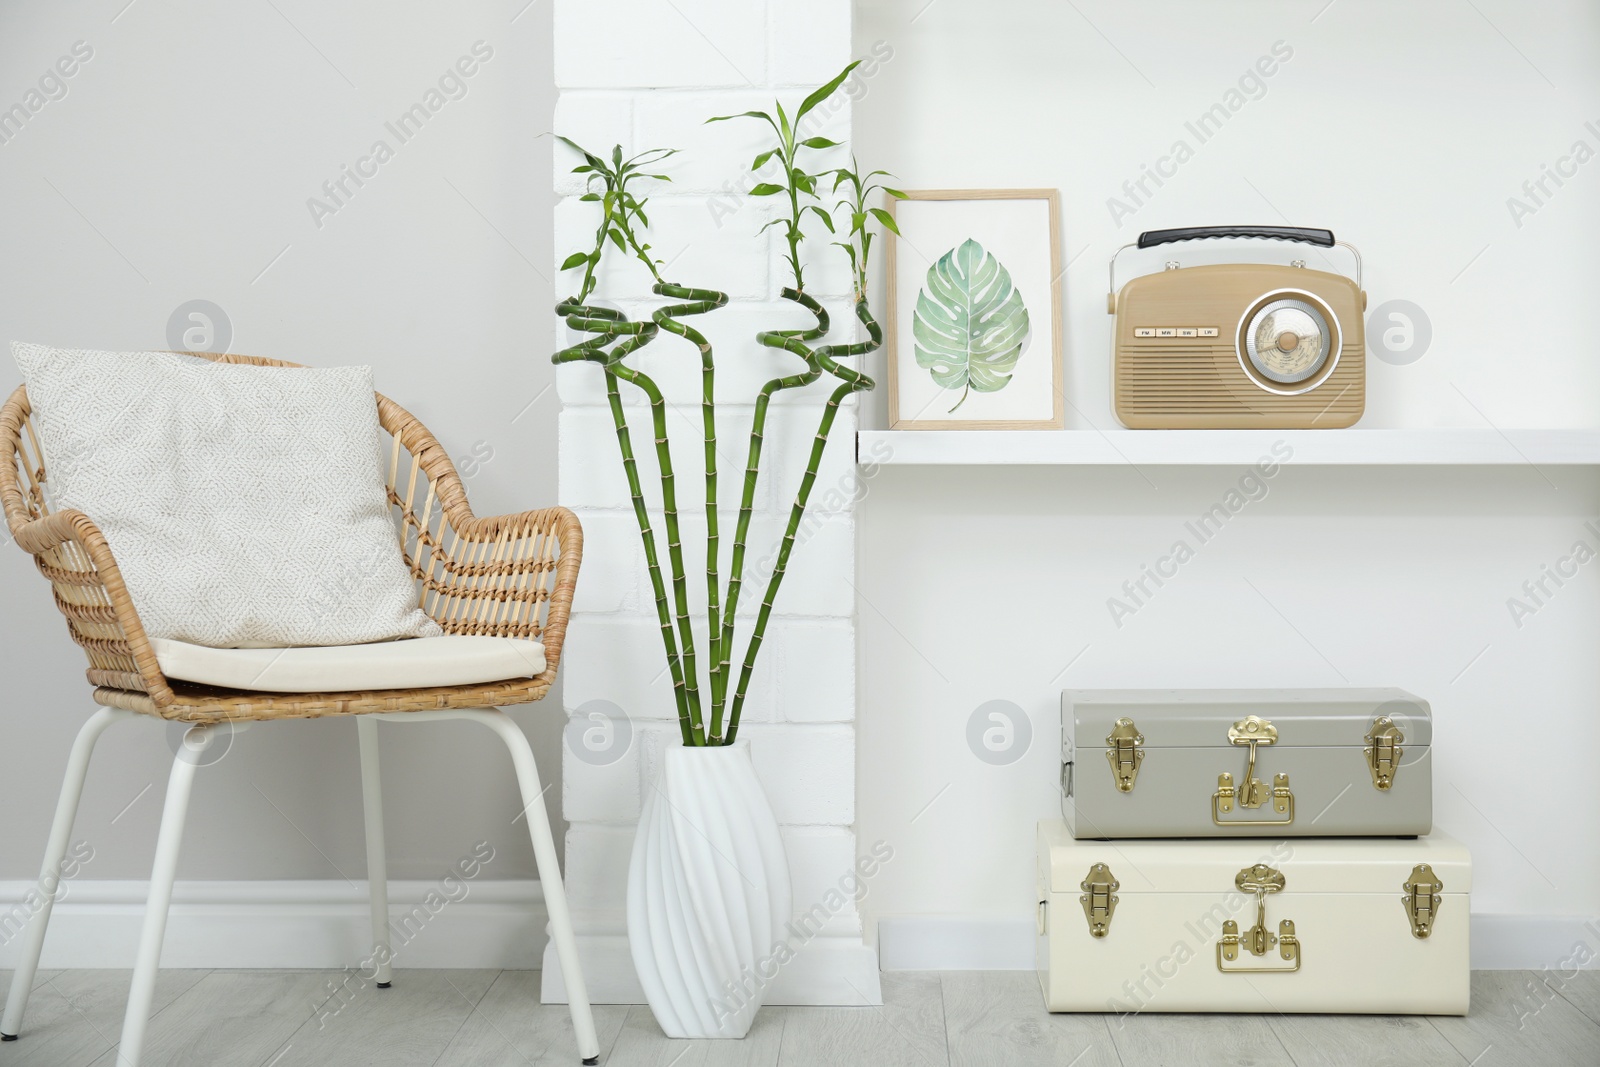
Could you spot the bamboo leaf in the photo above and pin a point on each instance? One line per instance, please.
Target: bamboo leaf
(824, 91)
(896, 193)
(784, 130)
(594, 160)
(616, 239)
(885, 218)
(744, 115)
(765, 189)
(616, 156)
(823, 215)
(577, 259)
(818, 142)
(589, 198)
(970, 322)
(761, 160)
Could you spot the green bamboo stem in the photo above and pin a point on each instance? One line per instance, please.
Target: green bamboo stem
(608, 326)
(698, 302)
(852, 381)
(790, 341)
(792, 232)
(669, 514)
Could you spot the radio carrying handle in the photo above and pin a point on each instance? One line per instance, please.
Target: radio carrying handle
(1151, 238)
(1302, 234)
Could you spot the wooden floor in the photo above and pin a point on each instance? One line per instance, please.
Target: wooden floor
(493, 1018)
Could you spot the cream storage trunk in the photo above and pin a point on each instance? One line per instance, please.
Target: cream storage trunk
(1298, 925)
(1246, 763)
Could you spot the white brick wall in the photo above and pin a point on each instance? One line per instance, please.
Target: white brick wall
(646, 74)
(659, 43)
(808, 42)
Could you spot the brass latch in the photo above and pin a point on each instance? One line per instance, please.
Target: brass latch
(1124, 752)
(1260, 880)
(1099, 899)
(1383, 751)
(1422, 899)
(1252, 793)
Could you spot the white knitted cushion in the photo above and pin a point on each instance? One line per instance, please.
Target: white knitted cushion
(245, 505)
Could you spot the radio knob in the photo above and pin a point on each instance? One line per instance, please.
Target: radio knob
(1288, 341)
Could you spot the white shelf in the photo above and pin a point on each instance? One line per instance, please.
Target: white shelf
(1487, 447)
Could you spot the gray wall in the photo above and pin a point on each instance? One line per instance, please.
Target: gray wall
(178, 166)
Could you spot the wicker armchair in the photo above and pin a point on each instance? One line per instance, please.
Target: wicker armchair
(506, 576)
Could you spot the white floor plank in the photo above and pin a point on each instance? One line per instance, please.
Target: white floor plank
(642, 1044)
(74, 1016)
(1375, 1040)
(39, 976)
(510, 1028)
(907, 1031)
(1581, 990)
(479, 1019)
(232, 1019)
(997, 1019)
(409, 1024)
(1152, 1039)
(1517, 1020)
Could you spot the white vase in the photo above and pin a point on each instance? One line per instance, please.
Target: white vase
(708, 893)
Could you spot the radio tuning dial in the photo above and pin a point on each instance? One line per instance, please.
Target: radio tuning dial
(1287, 339)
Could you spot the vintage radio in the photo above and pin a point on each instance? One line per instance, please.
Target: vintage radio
(1245, 763)
(1239, 345)
(1298, 925)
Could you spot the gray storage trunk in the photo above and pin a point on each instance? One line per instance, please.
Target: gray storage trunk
(1178, 763)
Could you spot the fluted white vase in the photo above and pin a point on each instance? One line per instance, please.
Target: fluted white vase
(708, 893)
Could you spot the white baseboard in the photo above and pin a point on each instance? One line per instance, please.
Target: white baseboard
(324, 924)
(828, 970)
(956, 943)
(272, 924)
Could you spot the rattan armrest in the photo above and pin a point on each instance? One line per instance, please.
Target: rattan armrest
(494, 571)
(73, 554)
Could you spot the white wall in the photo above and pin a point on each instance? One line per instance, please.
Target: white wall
(178, 166)
(1404, 128)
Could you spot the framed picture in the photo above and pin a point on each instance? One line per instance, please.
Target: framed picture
(974, 323)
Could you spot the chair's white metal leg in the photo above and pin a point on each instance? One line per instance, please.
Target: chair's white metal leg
(163, 871)
(55, 851)
(544, 854)
(555, 894)
(377, 865)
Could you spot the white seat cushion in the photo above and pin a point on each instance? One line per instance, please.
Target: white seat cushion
(414, 663)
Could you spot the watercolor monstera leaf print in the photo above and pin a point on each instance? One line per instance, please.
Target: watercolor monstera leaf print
(970, 322)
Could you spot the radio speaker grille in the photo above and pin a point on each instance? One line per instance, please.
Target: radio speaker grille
(1203, 386)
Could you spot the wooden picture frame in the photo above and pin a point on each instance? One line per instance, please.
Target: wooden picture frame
(923, 393)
